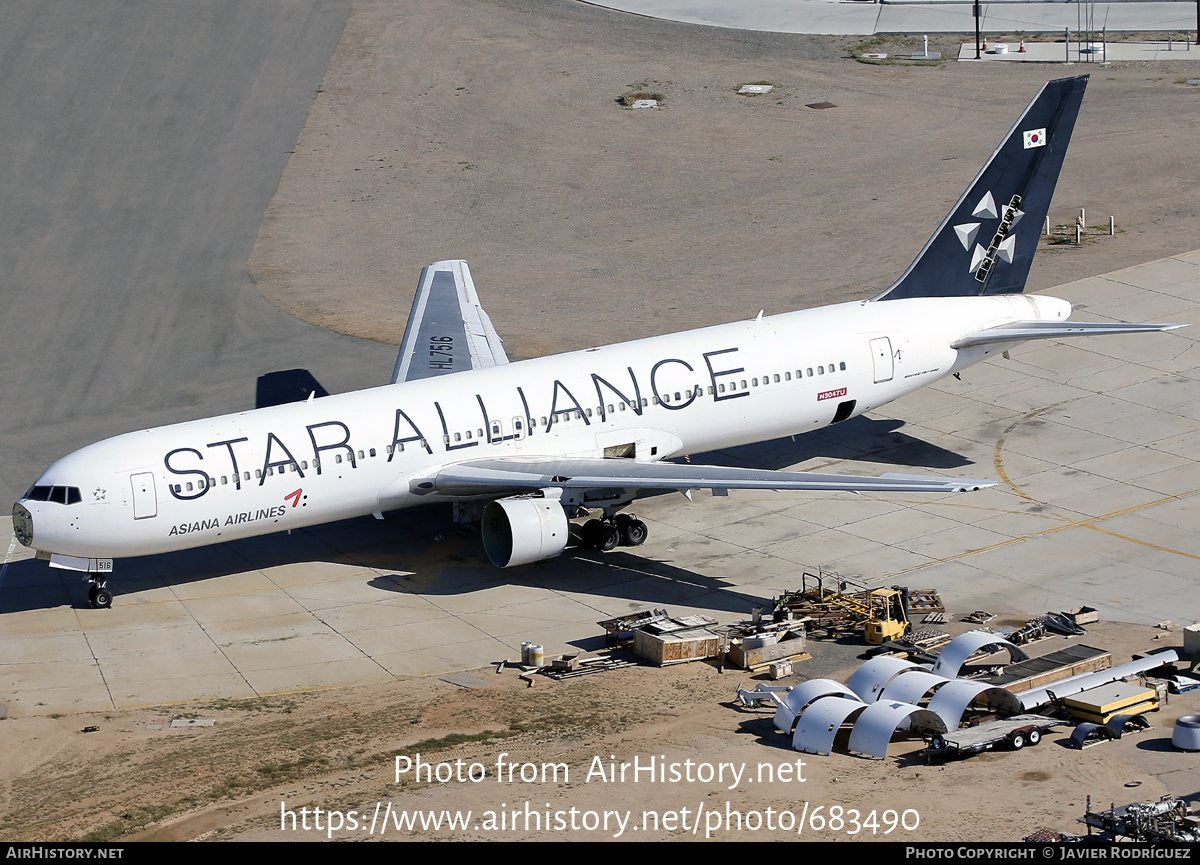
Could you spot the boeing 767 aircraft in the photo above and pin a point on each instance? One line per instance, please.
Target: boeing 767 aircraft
(528, 446)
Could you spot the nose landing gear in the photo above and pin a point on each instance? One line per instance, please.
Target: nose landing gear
(99, 595)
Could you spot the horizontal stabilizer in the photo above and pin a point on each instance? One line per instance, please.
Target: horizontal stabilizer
(1019, 331)
(447, 329)
(481, 477)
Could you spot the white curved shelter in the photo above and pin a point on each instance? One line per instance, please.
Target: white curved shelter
(953, 698)
(875, 727)
(819, 725)
(802, 695)
(871, 678)
(963, 646)
(912, 686)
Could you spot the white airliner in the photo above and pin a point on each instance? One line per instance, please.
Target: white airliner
(536, 443)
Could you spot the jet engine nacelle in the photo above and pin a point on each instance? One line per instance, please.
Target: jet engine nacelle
(523, 529)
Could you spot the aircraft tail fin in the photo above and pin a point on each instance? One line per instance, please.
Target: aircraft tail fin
(986, 244)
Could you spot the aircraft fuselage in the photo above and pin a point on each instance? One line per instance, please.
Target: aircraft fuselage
(353, 454)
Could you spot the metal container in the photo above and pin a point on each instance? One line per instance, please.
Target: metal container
(1187, 733)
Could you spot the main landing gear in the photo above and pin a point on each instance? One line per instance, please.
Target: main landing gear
(98, 594)
(624, 529)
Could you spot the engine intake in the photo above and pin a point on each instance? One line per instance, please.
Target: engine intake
(523, 529)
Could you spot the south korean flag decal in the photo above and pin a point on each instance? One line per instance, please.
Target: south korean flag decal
(1035, 138)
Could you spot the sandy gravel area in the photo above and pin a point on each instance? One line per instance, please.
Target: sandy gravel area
(489, 130)
(136, 778)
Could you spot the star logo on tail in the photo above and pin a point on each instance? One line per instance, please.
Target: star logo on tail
(1003, 242)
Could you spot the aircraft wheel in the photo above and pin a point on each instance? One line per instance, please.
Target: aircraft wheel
(591, 533)
(608, 537)
(634, 533)
(100, 598)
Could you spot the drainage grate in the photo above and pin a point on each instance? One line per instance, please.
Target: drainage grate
(820, 106)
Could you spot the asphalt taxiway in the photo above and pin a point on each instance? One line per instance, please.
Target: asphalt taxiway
(141, 143)
(1092, 441)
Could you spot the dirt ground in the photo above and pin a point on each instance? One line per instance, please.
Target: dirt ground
(136, 778)
(490, 130)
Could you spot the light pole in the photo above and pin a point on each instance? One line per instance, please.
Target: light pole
(977, 55)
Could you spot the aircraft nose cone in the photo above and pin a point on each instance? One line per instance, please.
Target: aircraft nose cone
(22, 524)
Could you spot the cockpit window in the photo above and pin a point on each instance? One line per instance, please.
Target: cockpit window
(60, 495)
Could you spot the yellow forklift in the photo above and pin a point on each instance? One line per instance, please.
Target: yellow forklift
(889, 616)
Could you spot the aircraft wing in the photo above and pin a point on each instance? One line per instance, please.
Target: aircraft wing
(447, 329)
(480, 477)
(1018, 331)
